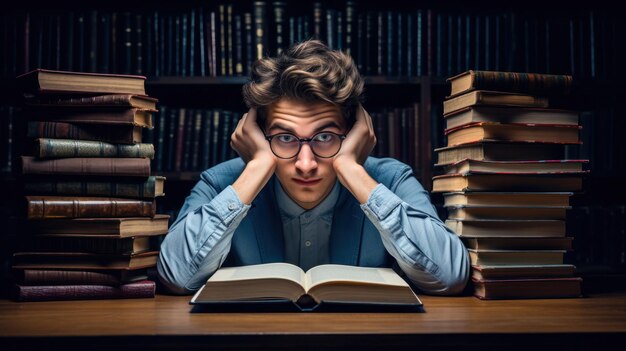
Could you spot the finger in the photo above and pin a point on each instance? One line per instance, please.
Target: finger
(366, 118)
(251, 115)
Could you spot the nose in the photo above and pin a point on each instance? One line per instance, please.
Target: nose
(305, 161)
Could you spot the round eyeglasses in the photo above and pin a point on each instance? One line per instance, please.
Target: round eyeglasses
(323, 144)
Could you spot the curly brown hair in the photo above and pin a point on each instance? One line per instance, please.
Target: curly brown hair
(308, 71)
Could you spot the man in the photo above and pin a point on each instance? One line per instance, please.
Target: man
(305, 191)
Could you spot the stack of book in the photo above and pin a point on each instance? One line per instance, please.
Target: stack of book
(92, 230)
(506, 182)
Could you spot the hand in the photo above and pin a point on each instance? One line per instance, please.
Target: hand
(249, 141)
(359, 142)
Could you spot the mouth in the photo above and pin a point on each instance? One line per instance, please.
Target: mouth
(306, 182)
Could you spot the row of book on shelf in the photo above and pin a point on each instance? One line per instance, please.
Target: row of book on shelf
(91, 225)
(225, 39)
(506, 184)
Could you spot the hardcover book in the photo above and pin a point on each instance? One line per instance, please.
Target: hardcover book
(116, 134)
(285, 286)
(492, 98)
(100, 115)
(499, 150)
(109, 100)
(507, 227)
(512, 132)
(515, 167)
(522, 271)
(530, 83)
(130, 187)
(41, 207)
(504, 198)
(88, 243)
(104, 166)
(62, 148)
(508, 182)
(54, 81)
(83, 260)
(515, 257)
(78, 277)
(527, 288)
(510, 115)
(140, 289)
(506, 212)
(121, 227)
(517, 243)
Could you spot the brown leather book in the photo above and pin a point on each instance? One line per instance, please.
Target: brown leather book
(124, 134)
(58, 148)
(141, 289)
(78, 277)
(134, 187)
(51, 81)
(105, 166)
(121, 227)
(101, 115)
(83, 260)
(39, 207)
(109, 100)
(109, 244)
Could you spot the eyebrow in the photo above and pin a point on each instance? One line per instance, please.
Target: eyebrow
(290, 130)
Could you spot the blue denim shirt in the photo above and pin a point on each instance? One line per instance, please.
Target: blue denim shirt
(396, 224)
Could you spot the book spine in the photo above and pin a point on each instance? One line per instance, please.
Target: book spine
(141, 189)
(132, 167)
(260, 29)
(192, 43)
(48, 148)
(61, 130)
(143, 289)
(121, 100)
(102, 116)
(202, 41)
(229, 40)
(65, 244)
(249, 42)
(523, 82)
(183, 64)
(61, 277)
(279, 22)
(350, 20)
(64, 207)
(222, 42)
(238, 46)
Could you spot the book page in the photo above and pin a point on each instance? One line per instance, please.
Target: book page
(334, 272)
(261, 271)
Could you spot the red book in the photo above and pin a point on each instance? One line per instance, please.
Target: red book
(141, 289)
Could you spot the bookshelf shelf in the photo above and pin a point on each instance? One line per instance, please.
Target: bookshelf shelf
(240, 80)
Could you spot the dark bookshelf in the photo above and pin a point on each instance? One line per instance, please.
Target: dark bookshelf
(583, 39)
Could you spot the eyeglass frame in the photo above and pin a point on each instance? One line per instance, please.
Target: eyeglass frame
(305, 140)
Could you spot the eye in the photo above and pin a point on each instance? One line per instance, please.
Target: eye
(323, 137)
(286, 138)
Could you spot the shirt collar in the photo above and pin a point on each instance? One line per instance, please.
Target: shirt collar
(289, 209)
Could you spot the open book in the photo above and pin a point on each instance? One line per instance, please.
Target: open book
(286, 287)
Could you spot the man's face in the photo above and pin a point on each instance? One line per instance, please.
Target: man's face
(306, 178)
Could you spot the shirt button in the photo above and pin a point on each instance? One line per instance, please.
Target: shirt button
(307, 243)
(232, 206)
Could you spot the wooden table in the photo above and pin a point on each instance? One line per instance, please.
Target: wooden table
(459, 323)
